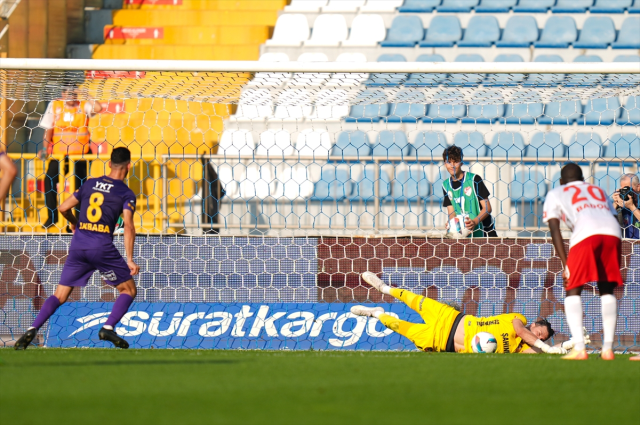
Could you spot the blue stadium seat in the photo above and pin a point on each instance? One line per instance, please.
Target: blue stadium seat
(528, 185)
(597, 33)
(391, 143)
(629, 36)
(611, 6)
(631, 112)
(507, 144)
(585, 146)
(623, 80)
(485, 114)
(538, 80)
(437, 194)
(406, 112)
(482, 31)
(558, 33)
(522, 113)
(443, 31)
(520, 31)
(367, 113)
(364, 185)
(334, 184)
(428, 146)
(505, 79)
(534, 6)
(623, 146)
(496, 6)
(635, 9)
(457, 6)
(405, 31)
(471, 143)
(608, 180)
(419, 6)
(387, 79)
(546, 145)
(426, 80)
(584, 80)
(601, 111)
(410, 185)
(445, 113)
(561, 113)
(352, 143)
(467, 79)
(572, 6)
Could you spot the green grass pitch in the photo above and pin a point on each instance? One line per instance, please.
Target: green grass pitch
(83, 386)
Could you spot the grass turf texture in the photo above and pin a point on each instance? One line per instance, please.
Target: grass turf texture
(80, 386)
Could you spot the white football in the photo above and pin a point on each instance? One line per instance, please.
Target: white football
(457, 230)
(484, 342)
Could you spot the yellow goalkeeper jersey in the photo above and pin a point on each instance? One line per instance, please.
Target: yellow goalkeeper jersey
(500, 326)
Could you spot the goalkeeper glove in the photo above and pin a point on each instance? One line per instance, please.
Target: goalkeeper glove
(548, 349)
(568, 345)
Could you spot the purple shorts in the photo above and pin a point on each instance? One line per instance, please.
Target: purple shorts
(81, 264)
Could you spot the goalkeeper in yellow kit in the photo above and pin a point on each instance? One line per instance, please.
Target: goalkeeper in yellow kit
(446, 329)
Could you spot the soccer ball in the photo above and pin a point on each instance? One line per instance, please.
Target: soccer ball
(457, 229)
(484, 342)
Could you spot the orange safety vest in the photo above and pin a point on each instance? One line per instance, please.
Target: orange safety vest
(70, 129)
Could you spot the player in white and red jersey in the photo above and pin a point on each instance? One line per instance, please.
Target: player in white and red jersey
(594, 252)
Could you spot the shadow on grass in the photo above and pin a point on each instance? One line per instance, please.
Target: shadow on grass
(117, 363)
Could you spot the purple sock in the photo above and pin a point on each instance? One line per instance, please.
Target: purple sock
(48, 308)
(120, 307)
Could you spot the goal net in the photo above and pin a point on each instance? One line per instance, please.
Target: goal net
(266, 189)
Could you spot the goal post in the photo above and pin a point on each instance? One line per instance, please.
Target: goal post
(265, 188)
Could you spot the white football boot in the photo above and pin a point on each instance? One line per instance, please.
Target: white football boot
(360, 310)
(373, 280)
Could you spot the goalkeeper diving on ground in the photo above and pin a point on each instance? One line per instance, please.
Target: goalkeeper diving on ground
(447, 329)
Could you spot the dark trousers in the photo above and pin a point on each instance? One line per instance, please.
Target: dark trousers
(51, 182)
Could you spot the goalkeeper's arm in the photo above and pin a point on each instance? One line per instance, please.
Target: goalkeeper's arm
(537, 345)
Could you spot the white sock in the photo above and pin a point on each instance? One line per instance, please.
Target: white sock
(110, 328)
(609, 316)
(386, 289)
(377, 313)
(573, 310)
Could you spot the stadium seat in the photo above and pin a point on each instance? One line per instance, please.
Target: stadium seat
(406, 112)
(405, 31)
(391, 143)
(572, 6)
(305, 6)
(259, 182)
(623, 80)
(546, 145)
(538, 80)
(236, 142)
(584, 80)
(334, 184)
(383, 6)
(275, 143)
(419, 6)
(585, 146)
(635, 9)
(352, 144)
(291, 30)
(367, 113)
(558, 33)
(316, 143)
(629, 36)
(467, 79)
(441, 113)
(307, 79)
(534, 6)
(484, 114)
(364, 185)
(437, 194)
(601, 111)
(471, 143)
(482, 31)
(294, 183)
(426, 80)
(457, 6)
(631, 112)
(597, 33)
(507, 144)
(410, 185)
(505, 79)
(623, 146)
(294, 105)
(496, 6)
(527, 190)
(443, 31)
(328, 30)
(610, 6)
(428, 146)
(520, 31)
(608, 180)
(366, 30)
(349, 6)
(561, 113)
(387, 79)
(522, 113)
(254, 104)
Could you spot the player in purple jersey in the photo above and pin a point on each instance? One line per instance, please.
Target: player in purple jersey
(102, 201)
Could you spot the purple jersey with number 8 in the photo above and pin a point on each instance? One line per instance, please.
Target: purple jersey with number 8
(102, 201)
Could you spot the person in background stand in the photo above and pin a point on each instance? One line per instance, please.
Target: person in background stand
(627, 203)
(66, 124)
